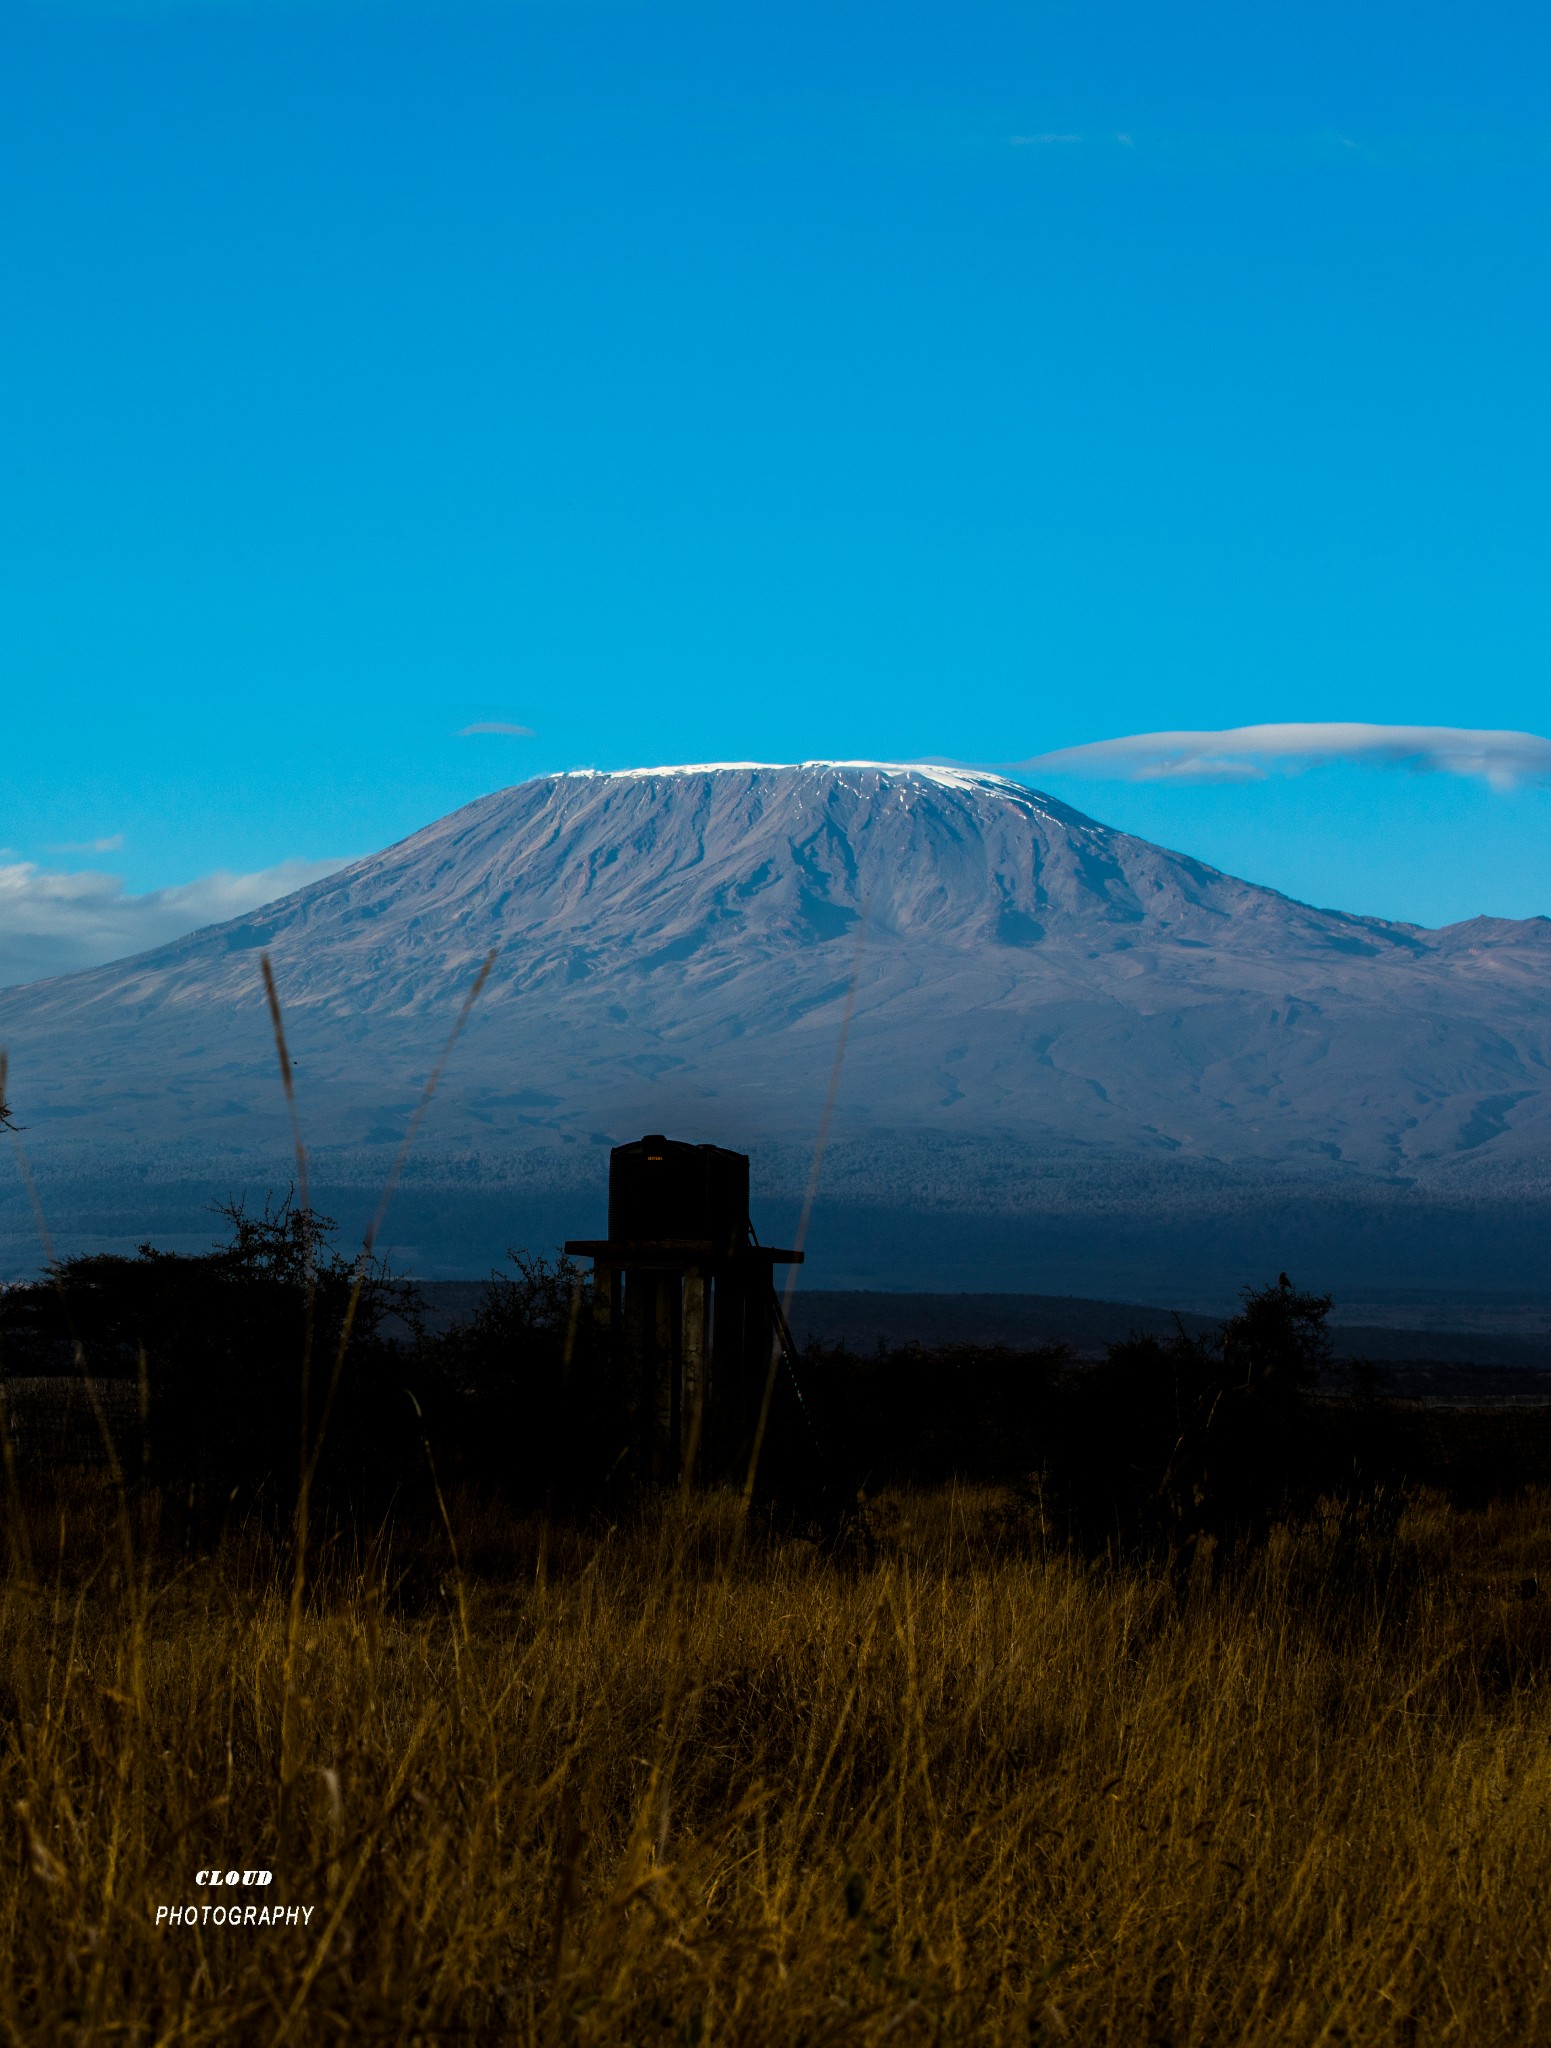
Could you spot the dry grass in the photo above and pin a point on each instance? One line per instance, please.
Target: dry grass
(651, 1786)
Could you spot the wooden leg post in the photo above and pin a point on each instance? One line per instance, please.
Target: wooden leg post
(696, 1301)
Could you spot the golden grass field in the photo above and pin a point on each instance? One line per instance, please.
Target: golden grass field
(657, 1783)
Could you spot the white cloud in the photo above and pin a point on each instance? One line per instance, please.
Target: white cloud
(516, 732)
(114, 844)
(53, 923)
(1248, 753)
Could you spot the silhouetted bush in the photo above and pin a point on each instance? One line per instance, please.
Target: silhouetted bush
(1198, 1436)
(520, 1395)
(920, 1417)
(223, 1344)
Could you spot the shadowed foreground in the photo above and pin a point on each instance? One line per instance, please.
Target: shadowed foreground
(648, 1784)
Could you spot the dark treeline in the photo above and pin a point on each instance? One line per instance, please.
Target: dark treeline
(1166, 1441)
(241, 1368)
(273, 1354)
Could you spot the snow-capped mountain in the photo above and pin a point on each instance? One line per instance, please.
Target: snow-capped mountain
(1041, 1005)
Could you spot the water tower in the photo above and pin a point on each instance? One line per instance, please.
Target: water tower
(684, 1300)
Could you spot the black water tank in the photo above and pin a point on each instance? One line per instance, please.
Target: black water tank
(659, 1188)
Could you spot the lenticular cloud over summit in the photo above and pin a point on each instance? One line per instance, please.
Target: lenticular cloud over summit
(1066, 1040)
(1248, 753)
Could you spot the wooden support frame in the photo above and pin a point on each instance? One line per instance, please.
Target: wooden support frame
(691, 1325)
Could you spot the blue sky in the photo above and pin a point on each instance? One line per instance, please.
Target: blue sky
(689, 381)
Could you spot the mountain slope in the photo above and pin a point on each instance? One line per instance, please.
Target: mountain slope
(675, 950)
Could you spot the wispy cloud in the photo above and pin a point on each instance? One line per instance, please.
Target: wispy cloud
(1042, 136)
(1249, 753)
(516, 732)
(115, 844)
(53, 923)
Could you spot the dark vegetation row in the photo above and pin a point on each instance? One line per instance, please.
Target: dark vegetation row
(203, 1368)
